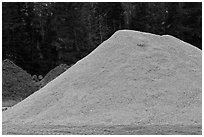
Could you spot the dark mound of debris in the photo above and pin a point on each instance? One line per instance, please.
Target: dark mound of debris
(17, 84)
(53, 74)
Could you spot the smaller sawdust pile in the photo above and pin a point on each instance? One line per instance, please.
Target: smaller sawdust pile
(52, 74)
(17, 84)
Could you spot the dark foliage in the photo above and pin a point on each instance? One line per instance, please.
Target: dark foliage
(38, 36)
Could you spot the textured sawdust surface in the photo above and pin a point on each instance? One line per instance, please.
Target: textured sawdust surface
(131, 79)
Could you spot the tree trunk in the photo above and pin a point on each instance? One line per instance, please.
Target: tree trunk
(128, 9)
(42, 30)
(89, 31)
(75, 42)
(100, 29)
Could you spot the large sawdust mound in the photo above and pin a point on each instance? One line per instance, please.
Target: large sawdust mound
(16, 83)
(52, 74)
(132, 78)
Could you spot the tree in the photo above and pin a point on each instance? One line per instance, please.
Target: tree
(38, 36)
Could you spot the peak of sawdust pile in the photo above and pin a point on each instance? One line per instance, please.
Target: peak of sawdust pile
(52, 74)
(131, 78)
(16, 83)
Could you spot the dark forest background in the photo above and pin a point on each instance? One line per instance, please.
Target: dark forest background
(40, 36)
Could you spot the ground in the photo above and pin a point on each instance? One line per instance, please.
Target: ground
(102, 130)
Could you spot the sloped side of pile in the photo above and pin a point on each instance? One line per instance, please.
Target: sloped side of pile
(53, 74)
(16, 83)
(133, 78)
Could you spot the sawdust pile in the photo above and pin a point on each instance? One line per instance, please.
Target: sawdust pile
(53, 74)
(131, 78)
(16, 83)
